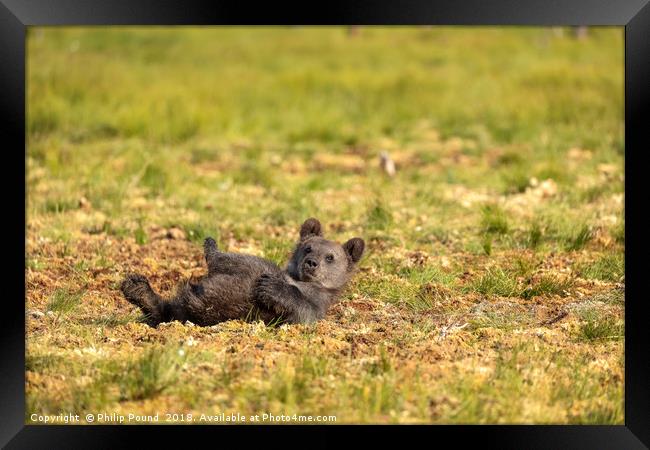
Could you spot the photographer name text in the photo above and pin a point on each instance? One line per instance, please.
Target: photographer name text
(66, 418)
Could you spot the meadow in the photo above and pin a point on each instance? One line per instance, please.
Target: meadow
(493, 285)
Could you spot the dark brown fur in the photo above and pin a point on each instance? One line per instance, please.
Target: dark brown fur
(241, 286)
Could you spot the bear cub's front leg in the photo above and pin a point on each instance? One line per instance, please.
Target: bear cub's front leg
(137, 291)
(285, 299)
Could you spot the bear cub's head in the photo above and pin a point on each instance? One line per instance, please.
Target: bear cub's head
(326, 262)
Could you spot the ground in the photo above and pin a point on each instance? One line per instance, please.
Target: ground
(492, 290)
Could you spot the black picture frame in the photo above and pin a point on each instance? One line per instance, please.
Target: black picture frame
(634, 15)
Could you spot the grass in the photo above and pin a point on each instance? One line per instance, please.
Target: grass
(609, 267)
(476, 280)
(516, 180)
(63, 301)
(599, 328)
(494, 220)
(548, 285)
(470, 397)
(535, 235)
(151, 373)
(506, 283)
(580, 239)
(379, 216)
(495, 281)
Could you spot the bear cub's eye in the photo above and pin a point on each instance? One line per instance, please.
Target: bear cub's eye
(329, 258)
(307, 249)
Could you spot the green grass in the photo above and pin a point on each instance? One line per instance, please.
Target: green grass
(140, 234)
(379, 216)
(63, 301)
(494, 219)
(619, 233)
(142, 141)
(41, 363)
(535, 235)
(504, 283)
(597, 327)
(580, 238)
(503, 320)
(198, 232)
(515, 179)
(151, 373)
(114, 319)
(426, 274)
(548, 285)
(495, 281)
(609, 267)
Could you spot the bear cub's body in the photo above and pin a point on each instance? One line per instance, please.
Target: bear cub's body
(240, 286)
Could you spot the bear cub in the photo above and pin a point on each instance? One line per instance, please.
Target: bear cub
(240, 286)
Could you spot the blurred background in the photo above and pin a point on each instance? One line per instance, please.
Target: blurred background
(327, 85)
(119, 115)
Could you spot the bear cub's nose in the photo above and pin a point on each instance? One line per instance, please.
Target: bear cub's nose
(311, 263)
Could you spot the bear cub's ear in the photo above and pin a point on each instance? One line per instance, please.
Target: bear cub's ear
(354, 247)
(311, 227)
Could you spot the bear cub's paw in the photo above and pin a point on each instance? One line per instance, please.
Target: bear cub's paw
(134, 287)
(267, 286)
